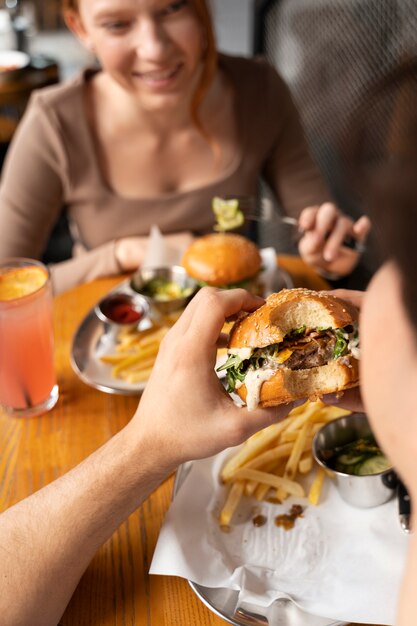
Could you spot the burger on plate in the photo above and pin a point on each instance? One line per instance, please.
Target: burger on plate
(224, 260)
(299, 344)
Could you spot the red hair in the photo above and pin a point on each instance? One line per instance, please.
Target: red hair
(202, 11)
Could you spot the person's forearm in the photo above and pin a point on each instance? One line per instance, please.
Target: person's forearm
(85, 267)
(47, 540)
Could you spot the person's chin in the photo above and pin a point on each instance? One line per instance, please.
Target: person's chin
(159, 101)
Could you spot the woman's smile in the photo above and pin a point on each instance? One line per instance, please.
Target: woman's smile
(159, 78)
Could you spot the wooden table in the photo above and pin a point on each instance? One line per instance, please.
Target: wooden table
(116, 589)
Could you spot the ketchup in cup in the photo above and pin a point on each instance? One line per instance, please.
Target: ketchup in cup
(122, 308)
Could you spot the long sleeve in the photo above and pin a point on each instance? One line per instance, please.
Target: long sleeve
(35, 185)
(31, 190)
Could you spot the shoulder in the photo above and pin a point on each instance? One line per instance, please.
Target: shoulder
(252, 72)
(63, 98)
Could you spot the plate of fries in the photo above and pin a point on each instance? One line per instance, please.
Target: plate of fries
(121, 361)
(118, 361)
(272, 465)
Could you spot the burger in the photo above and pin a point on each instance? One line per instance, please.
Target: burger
(224, 260)
(299, 344)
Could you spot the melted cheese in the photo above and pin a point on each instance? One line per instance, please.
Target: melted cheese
(254, 380)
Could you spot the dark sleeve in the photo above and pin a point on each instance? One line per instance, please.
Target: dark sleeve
(290, 170)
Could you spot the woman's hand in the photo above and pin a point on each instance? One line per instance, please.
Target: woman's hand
(185, 412)
(325, 229)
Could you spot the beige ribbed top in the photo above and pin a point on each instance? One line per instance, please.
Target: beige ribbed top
(52, 163)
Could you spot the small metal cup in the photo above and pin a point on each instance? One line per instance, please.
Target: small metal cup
(112, 327)
(360, 491)
(173, 273)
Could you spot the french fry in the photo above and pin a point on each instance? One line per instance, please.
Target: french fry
(112, 359)
(295, 489)
(329, 413)
(316, 486)
(297, 450)
(251, 486)
(139, 377)
(136, 352)
(306, 463)
(253, 446)
(281, 494)
(296, 422)
(262, 490)
(231, 504)
(139, 366)
(269, 455)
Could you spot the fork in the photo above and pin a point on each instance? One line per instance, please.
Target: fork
(268, 214)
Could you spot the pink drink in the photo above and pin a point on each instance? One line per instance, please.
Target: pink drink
(27, 376)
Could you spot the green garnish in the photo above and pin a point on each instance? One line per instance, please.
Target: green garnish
(297, 332)
(360, 457)
(161, 289)
(233, 366)
(341, 343)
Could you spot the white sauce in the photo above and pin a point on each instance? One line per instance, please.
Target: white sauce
(353, 347)
(244, 353)
(253, 381)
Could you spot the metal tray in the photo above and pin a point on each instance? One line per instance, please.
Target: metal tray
(91, 341)
(224, 602)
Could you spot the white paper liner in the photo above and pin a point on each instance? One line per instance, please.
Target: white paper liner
(338, 561)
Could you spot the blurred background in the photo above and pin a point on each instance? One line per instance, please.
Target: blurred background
(330, 52)
(36, 26)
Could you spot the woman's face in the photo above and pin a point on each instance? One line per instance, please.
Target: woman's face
(153, 48)
(389, 369)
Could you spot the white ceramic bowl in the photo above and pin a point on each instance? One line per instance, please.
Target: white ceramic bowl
(12, 63)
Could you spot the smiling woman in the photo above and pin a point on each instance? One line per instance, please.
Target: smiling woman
(151, 137)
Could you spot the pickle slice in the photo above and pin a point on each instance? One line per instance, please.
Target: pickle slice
(227, 212)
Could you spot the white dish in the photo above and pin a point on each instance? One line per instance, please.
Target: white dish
(12, 62)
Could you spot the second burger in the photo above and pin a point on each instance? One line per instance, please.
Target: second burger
(225, 261)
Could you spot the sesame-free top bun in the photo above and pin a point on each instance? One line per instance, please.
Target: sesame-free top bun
(222, 259)
(287, 310)
(283, 312)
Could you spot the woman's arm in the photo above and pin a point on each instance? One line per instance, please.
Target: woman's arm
(48, 539)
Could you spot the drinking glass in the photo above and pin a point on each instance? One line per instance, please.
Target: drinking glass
(28, 384)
